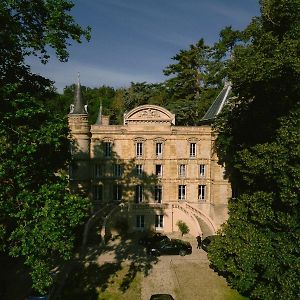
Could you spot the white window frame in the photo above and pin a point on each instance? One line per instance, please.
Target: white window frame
(158, 170)
(98, 170)
(159, 221)
(117, 193)
(158, 149)
(202, 170)
(139, 193)
(139, 149)
(201, 192)
(139, 170)
(140, 221)
(193, 149)
(107, 149)
(117, 170)
(98, 192)
(158, 193)
(182, 192)
(182, 170)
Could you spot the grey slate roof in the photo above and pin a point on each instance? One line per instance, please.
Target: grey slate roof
(78, 107)
(218, 103)
(99, 118)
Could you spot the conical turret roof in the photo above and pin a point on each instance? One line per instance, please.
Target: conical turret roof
(78, 107)
(99, 118)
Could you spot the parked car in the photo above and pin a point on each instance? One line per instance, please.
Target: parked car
(206, 241)
(170, 247)
(149, 239)
(161, 297)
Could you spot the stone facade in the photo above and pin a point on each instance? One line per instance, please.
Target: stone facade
(161, 172)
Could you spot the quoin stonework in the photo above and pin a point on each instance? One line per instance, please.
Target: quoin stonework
(157, 173)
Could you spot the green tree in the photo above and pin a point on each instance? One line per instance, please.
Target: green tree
(194, 83)
(38, 214)
(258, 248)
(182, 226)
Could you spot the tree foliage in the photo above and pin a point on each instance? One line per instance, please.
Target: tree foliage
(38, 214)
(259, 137)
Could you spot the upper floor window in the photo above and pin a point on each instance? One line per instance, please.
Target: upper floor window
(138, 193)
(107, 149)
(139, 170)
(140, 221)
(201, 192)
(117, 192)
(98, 170)
(181, 192)
(158, 170)
(159, 221)
(193, 148)
(97, 193)
(118, 170)
(182, 170)
(139, 149)
(158, 193)
(201, 170)
(158, 149)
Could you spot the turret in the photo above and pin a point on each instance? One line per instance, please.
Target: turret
(80, 140)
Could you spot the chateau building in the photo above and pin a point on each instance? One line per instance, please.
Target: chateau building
(162, 173)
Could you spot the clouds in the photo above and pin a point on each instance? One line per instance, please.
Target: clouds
(134, 40)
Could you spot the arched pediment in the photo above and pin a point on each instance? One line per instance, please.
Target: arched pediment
(149, 114)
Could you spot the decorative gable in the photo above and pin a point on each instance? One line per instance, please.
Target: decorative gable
(149, 114)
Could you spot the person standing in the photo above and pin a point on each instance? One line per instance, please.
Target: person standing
(199, 240)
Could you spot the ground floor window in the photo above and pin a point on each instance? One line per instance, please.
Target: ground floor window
(98, 192)
(181, 192)
(159, 221)
(201, 192)
(140, 221)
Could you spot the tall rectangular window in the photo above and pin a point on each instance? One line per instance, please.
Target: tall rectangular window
(158, 149)
(159, 221)
(98, 170)
(139, 170)
(138, 193)
(182, 170)
(117, 192)
(97, 193)
(201, 192)
(117, 170)
(107, 149)
(193, 149)
(139, 149)
(202, 170)
(181, 192)
(158, 170)
(158, 193)
(140, 221)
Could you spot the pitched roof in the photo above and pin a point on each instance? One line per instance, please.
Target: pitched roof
(78, 107)
(218, 103)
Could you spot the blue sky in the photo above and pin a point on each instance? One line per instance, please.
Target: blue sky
(134, 40)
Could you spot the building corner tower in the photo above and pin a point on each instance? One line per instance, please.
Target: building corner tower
(80, 143)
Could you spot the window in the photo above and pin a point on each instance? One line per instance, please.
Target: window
(139, 149)
(98, 170)
(201, 192)
(201, 170)
(98, 193)
(140, 221)
(192, 149)
(118, 170)
(107, 149)
(182, 170)
(181, 192)
(158, 193)
(158, 149)
(117, 192)
(158, 170)
(159, 221)
(139, 170)
(138, 193)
